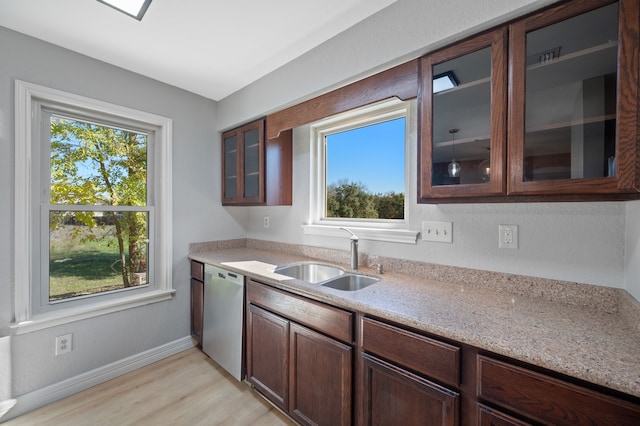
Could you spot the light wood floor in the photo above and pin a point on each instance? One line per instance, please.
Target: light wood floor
(185, 389)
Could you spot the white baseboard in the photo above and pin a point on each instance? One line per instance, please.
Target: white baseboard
(41, 397)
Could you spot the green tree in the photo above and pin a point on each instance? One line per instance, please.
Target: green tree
(350, 200)
(390, 205)
(96, 165)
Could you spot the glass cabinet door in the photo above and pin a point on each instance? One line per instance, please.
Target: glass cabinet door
(230, 166)
(251, 167)
(243, 165)
(464, 118)
(565, 117)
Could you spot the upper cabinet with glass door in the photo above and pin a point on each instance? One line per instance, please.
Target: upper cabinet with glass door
(573, 117)
(463, 132)
(256, 170)
(243, 164)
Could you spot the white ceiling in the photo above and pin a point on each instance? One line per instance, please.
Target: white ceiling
(209, 47)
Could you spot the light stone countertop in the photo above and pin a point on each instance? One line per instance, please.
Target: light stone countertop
(591, 344)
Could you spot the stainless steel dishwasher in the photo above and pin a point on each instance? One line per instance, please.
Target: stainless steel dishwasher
(222, 333)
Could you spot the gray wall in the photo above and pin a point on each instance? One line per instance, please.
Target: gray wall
(197, 213)
(593, 243)
(632, 249)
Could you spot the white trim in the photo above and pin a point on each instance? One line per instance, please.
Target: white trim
(26, 95)
(41, 397)
(23, 210)
(376, 234)
(6, 405)
(64, 316)
(379, 229)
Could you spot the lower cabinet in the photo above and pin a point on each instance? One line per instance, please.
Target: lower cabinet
(393, 395)
(542, 399)
(268, 355)
(399, 368)
(301, 356)
(197, 301)
(489, 417)
(320, 378)
(305, 372)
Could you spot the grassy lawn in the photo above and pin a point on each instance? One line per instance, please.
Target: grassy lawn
(78, 268)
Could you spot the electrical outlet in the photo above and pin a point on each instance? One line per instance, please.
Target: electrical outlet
(266, 221)
(64, 344)
(508, 236)
(441, 232)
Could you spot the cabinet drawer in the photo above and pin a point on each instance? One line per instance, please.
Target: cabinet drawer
(197, 270)
(549, 400)
(435, 359)
(489, 417)
(318, 316)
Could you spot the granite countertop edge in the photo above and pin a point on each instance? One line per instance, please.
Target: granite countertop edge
(579, 341)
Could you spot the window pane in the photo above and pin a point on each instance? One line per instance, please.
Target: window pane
(96, 252)
(97, 165)
(365, 171)
(571, 97)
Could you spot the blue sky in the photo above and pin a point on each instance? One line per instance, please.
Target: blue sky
(372, 155)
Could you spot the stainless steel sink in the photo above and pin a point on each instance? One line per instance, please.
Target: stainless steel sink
(310, 272)
(350, 282)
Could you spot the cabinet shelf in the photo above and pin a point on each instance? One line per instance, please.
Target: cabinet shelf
(553, 126)
(575, 55)
(576, 66)
(465, 86)
(482, 138)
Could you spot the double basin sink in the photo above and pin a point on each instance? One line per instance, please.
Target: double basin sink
(326, 276)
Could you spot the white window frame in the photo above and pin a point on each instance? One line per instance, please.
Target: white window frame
(30, 99)
(391, 230)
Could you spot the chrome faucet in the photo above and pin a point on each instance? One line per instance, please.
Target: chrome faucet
(354, 248)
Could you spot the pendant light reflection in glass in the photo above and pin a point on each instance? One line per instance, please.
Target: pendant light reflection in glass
(454, 166)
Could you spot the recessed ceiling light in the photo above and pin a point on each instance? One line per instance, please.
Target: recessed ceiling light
(445, 81)
(133, 8)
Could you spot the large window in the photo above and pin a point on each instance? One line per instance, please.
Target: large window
(364, 176)
(93, 207)
(95, 202)
(359, 169)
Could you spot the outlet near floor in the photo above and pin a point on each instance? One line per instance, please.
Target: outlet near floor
(64, 344)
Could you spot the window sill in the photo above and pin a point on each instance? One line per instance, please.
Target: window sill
(41, 322)
(404, 236)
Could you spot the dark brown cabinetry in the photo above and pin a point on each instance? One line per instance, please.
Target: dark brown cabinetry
(573, 117)
(268, 355)
(256, 171)
(399, 368)
(564, 125)
(300, 355)
(548, 400)
(320, 378)
(490, 417)
(464, 116)
(197, 300)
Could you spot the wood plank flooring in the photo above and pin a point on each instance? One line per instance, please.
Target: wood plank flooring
(185, 389)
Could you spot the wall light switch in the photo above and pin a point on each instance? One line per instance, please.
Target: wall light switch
(441, 232)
